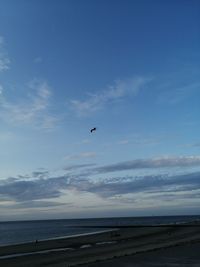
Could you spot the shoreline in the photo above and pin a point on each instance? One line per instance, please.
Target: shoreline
(54, 238)
(101, 246)
(108, 228)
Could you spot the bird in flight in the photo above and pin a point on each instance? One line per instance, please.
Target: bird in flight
(93, 129)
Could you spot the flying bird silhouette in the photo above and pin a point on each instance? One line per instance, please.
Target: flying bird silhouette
(93, 129)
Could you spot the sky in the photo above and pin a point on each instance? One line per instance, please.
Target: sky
(129, 68)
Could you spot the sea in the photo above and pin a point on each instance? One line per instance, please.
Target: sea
(15, 232)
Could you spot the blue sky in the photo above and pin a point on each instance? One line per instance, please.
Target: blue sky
(129, 68)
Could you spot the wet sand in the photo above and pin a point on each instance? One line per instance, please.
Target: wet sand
(111, 248)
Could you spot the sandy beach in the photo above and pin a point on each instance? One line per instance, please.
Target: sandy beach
(114, 248)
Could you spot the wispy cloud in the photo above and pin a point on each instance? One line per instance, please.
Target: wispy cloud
(150, 163)
(32, 109)
(55, 187)
(144, 184)
(78, 166)
(81, 156)
(123, 142)
(40, 174)
(83, 142)
(1, 89)
(196, 144)
(4, 60)
(35, 204)
(139, 141)
(26, 190)
(97, 101)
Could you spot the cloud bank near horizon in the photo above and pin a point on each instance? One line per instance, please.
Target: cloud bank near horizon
(41, 185)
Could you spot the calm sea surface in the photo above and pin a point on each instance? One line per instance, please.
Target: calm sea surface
(25, 231)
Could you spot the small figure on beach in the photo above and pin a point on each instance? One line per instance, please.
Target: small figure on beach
(36, 241)
(93, 129)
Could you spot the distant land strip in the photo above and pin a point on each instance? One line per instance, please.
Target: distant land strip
(133, 226)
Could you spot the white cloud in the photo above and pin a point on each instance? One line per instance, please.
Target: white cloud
(4, 60)
(33, 109)
(119, 90)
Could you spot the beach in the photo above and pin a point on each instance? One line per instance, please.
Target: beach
(183, 255)
(112, 247)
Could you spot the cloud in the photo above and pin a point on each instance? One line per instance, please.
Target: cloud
(81, 156)
(83, 142)
(1, 89)
(54, 187)
(32, 109)
(4, 60)
(123, 186)
(123, 142)
(6, 136)
(150, 163)
(40, 174)
(119, 90)
(41, 185)
(78, 166)
(197, 145)
(26, 190)
(33, 204)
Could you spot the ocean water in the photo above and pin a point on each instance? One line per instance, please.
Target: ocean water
(27, 231)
